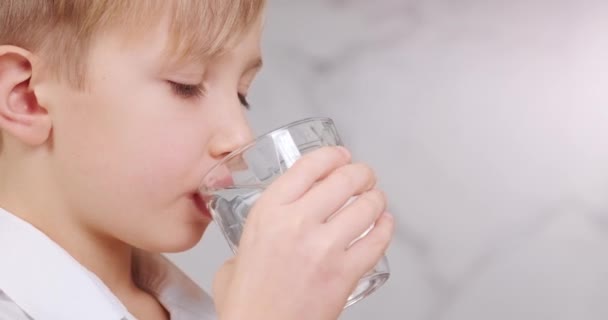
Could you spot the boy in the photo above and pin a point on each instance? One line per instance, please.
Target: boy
(110, 113)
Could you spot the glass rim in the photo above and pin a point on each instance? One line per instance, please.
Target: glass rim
(253, 142)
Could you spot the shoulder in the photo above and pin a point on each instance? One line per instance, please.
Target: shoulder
(9, 310)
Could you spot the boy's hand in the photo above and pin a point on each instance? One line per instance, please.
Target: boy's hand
(292, 263)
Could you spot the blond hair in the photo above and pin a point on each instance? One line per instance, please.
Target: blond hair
(61, 31)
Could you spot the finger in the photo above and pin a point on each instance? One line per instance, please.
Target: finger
(329, 195)
(350, 223)
(365, 253)
(305, 172)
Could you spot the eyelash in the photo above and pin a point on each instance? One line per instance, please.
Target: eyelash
(243, 100)
(188, 91)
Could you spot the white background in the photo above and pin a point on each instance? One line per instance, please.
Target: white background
(487, 122)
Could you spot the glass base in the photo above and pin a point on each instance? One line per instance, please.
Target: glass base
(367, 285)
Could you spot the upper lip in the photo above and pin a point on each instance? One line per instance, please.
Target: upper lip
(221, 182)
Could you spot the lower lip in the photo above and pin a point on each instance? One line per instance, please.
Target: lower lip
(200, 205)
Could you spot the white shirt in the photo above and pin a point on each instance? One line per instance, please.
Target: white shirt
(41, 281)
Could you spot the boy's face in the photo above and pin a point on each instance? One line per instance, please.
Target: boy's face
(129, 152)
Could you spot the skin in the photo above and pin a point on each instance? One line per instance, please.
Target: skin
(116, 166)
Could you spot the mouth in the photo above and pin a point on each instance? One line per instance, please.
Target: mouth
(201, 205)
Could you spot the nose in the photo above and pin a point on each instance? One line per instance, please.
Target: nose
(230, 134)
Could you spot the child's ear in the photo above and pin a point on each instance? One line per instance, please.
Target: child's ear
(20, 114)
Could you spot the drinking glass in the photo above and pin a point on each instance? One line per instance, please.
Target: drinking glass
(232, 186)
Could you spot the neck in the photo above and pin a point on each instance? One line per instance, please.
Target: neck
(111, 260)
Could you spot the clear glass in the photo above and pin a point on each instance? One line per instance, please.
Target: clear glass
(231, 188)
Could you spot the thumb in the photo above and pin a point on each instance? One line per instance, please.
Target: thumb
(221, 283)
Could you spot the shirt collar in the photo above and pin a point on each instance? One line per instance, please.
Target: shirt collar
(183, 298)
(47, 283)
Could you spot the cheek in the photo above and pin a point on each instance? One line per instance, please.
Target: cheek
(159, 150)
(162, 159)
(133, 154)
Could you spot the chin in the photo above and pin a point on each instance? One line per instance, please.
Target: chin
(179, 240)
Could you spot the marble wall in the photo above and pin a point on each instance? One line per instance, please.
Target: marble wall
(487, 121)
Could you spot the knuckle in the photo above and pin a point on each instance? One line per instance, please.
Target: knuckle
(327, 153)
(329, 273)
(297, 225)
(315, 258)
(384, 237)
(378, 246)
(322, 246)
(373, 200)
(362, 174)
(290, 228)
(320, 159)
(287, 229)
(334, 155)
(367, 172)
(321, 257)
(344, 177)
(306, 164)
(382, 197)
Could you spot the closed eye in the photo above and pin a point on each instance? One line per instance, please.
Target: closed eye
(187, 91)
